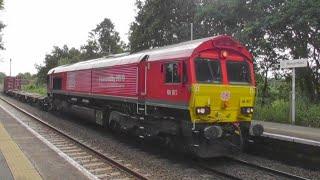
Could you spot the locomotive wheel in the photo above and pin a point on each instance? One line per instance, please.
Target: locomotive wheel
(113, 121)
(114, 126)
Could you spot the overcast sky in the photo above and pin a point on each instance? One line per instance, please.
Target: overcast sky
(33, 27)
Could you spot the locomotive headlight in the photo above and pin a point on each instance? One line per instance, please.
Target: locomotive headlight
(224, 54)
(202, 110)
(247, 110)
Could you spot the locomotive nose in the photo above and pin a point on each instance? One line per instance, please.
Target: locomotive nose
(212, 132)
(256, 129)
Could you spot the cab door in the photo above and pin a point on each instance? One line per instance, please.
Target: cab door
(142, 86)
(172, 80)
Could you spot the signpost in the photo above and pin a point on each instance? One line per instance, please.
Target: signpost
(293, 64)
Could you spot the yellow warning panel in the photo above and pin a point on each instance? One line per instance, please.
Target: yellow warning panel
(20, 166)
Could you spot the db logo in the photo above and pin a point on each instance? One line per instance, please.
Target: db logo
(225, 95)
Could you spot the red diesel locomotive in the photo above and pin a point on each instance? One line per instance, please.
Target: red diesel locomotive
(198, 93)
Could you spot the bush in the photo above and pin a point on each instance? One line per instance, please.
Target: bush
(35, 89)
(277, 111)
(307, 114)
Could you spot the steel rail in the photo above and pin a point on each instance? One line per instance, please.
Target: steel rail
(220, 173)
(267, 169)
(207, 167)
(99, 154)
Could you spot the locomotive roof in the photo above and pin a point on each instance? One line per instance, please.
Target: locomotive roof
(184, 49)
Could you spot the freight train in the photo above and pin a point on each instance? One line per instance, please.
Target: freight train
(12, 83)
(198, 94)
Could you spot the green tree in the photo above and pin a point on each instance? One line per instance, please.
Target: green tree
(26, 76)
(70, 56)
(58, 56)
(161, 22)
(90, 50)
(104, 40)
(296, 26)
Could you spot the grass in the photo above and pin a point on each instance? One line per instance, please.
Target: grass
(307, 114)
(42, 90)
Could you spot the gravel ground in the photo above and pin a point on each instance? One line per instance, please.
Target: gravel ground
(151, 159)
(307, 173)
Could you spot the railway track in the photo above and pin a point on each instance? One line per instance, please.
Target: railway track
(103, 167)
(94, 163)
(230, 163)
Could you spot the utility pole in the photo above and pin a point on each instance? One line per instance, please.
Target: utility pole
(191, 31)
(10, 66)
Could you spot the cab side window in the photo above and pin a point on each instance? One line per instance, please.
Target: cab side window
(57, 83)
(172, 73)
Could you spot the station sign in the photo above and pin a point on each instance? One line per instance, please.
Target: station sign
(296, 63)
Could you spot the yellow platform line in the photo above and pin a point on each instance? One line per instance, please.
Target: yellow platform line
(21, 168)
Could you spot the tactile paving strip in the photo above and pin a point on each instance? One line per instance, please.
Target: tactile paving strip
(19, 165)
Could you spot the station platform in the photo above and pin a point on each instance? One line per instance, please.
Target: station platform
(293, 133)
(23, 156)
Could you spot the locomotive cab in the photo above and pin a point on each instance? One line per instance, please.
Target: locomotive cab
(222, 99)
(223, 90)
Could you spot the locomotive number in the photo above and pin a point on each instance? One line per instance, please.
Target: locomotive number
(172, 92)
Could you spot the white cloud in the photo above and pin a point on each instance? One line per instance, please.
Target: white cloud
(33, 27)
